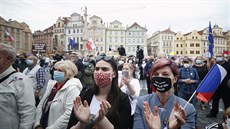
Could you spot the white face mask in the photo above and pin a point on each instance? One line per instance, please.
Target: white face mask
(186, 65)
(228, 123)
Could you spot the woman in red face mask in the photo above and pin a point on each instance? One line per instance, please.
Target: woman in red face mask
(103, 106)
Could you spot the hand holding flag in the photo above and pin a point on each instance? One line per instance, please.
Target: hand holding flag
(209, 84)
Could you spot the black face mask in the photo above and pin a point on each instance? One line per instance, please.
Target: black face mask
(162, 84)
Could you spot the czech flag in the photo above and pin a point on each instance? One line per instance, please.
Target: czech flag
(211, 82)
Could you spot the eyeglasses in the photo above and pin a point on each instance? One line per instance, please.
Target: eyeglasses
(106, 58)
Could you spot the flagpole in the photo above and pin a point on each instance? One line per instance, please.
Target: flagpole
(189, 100)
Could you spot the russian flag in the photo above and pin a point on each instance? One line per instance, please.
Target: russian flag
(211, 82)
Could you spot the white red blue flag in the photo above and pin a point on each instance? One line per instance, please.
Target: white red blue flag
(211, 82)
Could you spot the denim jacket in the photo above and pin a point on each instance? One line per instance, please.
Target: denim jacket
(185, 73)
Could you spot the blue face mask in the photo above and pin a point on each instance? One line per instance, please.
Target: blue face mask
(29, 62)
(85, 63)
(59, 76)
(198, 61)
(219, 59)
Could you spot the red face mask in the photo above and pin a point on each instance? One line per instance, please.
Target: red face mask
(102, 79)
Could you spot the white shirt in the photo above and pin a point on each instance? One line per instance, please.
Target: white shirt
(94, 105)
(132, 98)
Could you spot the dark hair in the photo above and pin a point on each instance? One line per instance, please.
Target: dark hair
(113, 95)
(160, 63)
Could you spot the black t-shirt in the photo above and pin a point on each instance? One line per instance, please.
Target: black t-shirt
(201, 70)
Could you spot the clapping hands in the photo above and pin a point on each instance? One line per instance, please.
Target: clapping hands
(177, 117)
(82, 111)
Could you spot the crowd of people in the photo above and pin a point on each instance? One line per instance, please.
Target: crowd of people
(103, 92)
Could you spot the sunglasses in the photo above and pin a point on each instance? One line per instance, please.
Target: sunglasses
(106, 58)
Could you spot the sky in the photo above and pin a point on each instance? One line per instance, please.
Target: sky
(156, 15)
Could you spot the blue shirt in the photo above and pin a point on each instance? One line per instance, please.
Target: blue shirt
(164, 113)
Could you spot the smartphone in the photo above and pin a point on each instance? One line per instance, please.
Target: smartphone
(125, 73)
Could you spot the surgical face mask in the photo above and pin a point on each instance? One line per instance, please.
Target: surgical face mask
(219, 59)
(186, 65)
(102, 79)
(198, 61)
(85, 63)
(228, 123)
(130, 61)
(29, 62)
(59, 76)
(162, 84)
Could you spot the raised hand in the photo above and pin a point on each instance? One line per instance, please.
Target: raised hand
(177, 117)
(152, 119)
(104, 109)
(81, 111)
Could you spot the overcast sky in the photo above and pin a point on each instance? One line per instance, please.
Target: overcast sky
(180, 15)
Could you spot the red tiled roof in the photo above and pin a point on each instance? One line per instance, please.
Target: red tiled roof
(168, 31)
(135, 24)
(200, 32)
(187, 33)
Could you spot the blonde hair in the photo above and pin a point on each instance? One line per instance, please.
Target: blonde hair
(68, 67)
(130, 67)
(227, 112)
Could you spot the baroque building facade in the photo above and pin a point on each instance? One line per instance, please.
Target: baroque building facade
(20, 32)
(74, 31)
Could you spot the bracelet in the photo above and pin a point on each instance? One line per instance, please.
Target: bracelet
(91, 121)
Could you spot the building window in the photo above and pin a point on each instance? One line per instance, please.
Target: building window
(181, 45)
(133, 40)
(115, 32)
(121, 39)
(197, 52)
(191, 52)
(129, 33)
(177, 45)
(177, 38)
(101, 39)
(74, 31)
(121, 32)
(177, 52)
(110, 39)
(69, 31)
(181, 52)
(191, 44)
(197, 45)
(134, 49)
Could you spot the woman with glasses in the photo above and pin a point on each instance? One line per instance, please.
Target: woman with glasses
(103, 106)
(225, 124)
(162, 109)
(53, 111)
